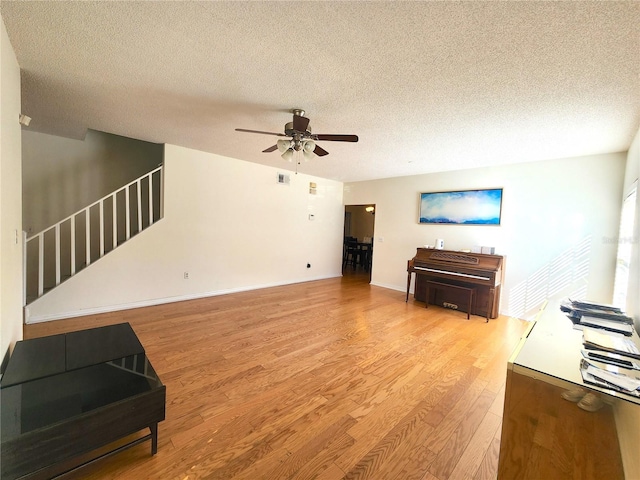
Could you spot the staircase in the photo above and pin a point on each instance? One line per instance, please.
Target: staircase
(66, 248)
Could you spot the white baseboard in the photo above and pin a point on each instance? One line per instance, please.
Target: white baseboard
(392, 287)
(156, 301)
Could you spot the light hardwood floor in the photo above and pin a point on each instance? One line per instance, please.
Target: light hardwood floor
(329, 379)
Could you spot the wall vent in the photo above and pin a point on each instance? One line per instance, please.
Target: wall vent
(284, 179)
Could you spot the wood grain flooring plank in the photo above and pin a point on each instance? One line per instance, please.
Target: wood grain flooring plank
(488, 469)
(414, 466)
(409, 459)
(254, 469)
(370, 464)
(304, 455)
(440, 359)
(275, 373)
(422, 395)
(464, 420)
(497, 407)
(306, 428)
(370, 430)
(332, 383)
(473, 455)
(456, 380)
(244, 405)
(253, 445)
(428, 476)
(399, 379)
(235, 466)
(333, 472)
(204, 453)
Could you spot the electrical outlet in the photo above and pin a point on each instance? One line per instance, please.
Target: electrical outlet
(186, 275)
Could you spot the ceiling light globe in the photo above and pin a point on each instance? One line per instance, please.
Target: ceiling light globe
(309, 146)
(288, 155)
(284, 145)
(308, 155)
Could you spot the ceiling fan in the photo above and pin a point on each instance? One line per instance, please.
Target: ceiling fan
(301, 138)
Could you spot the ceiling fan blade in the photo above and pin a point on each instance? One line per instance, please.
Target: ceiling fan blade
(337, 138)
(272, 148)
(319, 151)
(300, 123)
(259, 131)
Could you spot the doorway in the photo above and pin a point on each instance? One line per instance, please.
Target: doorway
(357, 253)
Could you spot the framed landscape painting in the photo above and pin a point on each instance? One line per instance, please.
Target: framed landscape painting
(466, 207)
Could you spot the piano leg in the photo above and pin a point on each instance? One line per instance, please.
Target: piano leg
(492, 292)
(426, 299)
(408, 285)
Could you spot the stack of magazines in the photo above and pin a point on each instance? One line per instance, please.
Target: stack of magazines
(611, 346)
(611, 360)
(613, 378)
(599, 316)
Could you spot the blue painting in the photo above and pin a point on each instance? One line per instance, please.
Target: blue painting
(468, 207)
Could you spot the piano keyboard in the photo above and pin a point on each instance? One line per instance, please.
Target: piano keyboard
(449, 272)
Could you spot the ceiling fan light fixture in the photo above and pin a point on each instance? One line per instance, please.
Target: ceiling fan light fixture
(284, 145)
(288, 155)
(301, 139)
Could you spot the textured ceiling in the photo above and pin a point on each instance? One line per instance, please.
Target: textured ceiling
(427, 86)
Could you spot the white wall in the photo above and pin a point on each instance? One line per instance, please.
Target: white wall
(61, 176)
(228, 223)
(10, 203)
(558, 219)
(627, 414)
(631, 175)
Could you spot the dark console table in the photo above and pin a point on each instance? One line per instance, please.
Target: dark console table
(64, 396)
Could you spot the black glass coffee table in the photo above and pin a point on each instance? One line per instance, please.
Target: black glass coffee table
(64, 396)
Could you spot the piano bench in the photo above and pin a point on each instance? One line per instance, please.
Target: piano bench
(470, 290)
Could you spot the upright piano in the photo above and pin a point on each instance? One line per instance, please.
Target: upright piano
(481, 272)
